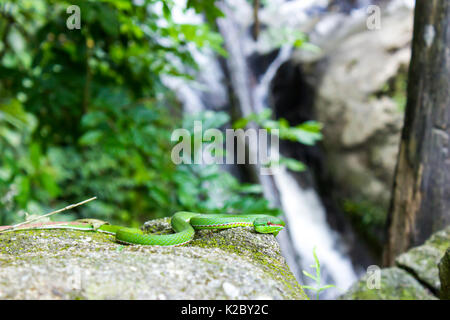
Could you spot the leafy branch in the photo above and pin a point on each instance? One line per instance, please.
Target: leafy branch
(307, 133)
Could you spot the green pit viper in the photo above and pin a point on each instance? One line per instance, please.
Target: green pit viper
(183, 223)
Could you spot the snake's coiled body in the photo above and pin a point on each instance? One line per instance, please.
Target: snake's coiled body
(183, 223)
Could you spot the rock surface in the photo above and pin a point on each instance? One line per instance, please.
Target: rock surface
(359, 95)
(444, 275)
(423, 261)
(362, 124)
(421, 273)
(61, 264)
(395, 284)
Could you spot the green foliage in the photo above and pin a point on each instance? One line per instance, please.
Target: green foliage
(286, 35)
(84, 113)
(292, 164)
(307, 133)
(207, 7)
(365, 212)
(316, 278)
(368, 219)
(25, 174)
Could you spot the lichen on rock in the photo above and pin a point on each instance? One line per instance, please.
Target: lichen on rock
(62, 264)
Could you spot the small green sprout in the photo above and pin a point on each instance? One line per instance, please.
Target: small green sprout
(317, 289)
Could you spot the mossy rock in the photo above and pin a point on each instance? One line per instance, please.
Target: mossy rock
(422, 261)
(444, 274)
(395, 284)
(61, 264)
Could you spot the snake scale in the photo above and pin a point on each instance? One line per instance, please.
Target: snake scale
(183, 223)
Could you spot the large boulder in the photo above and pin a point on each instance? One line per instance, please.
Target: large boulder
(421, 273)
(395, 284)
(422, 261)
(230, 264)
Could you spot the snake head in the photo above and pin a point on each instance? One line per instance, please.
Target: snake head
(268, 224)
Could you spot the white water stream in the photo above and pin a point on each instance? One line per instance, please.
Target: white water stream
(307, 219)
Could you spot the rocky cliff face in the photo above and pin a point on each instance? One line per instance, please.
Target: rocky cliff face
(229, 264)
(360, 101)
(356, 87)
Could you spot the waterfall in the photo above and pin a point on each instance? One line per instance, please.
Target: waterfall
(307, 218)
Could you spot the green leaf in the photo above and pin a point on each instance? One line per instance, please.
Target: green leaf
(309, 288)
(240, 123)
(301, 135)
(264, 115)
(35, 155)
(250, 188)
(24, 189)
(293, 164)
(91, 137)
(108, 20)
(309, 275)
(12, 111)
(316, 258)
(326, 287)
(93, 119)
(49, 184)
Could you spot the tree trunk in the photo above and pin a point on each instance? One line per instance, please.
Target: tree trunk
(421, 194)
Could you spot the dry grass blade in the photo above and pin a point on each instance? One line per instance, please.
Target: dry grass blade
(49, 214)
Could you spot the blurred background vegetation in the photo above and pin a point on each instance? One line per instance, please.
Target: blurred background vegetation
(84, 113)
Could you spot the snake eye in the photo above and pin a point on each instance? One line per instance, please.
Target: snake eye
(274, 224)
